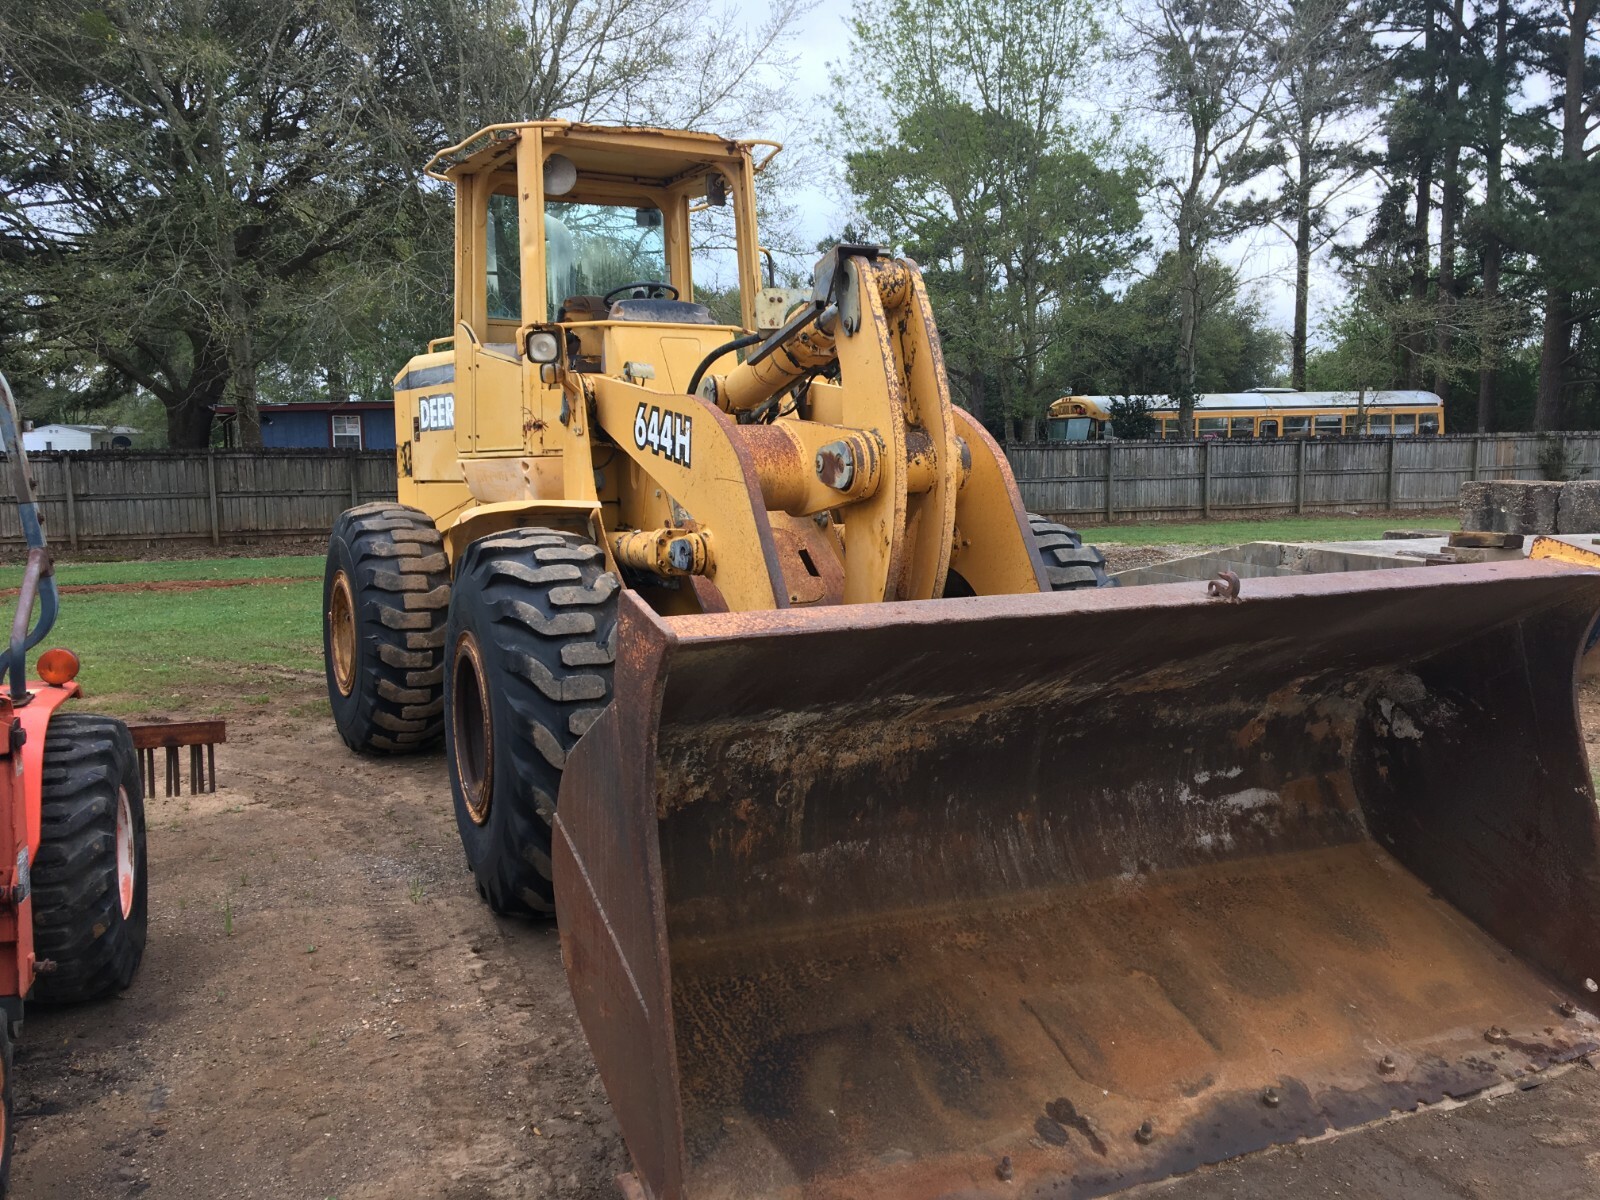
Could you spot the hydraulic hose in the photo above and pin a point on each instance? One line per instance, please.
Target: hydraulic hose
(738, 343)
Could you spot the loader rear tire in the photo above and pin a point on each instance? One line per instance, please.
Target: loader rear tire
(384, 597)
(90, 910)
(530, 644)
(1068, 563)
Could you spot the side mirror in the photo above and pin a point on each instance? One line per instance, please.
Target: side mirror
(647, 218)
(716, 190)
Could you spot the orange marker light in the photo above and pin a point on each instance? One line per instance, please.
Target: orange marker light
(58, 666)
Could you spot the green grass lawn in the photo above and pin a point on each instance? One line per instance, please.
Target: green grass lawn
(295, 566)
(194, 654)
(1281, 529)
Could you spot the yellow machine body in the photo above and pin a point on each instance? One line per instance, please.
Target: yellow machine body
(608, 439)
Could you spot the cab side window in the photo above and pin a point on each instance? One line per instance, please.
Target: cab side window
(503, 257)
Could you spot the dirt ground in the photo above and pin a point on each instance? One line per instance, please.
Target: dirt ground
(326, 1010)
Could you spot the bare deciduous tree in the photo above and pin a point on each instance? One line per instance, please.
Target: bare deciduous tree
(1216, 82)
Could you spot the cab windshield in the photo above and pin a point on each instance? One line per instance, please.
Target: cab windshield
(591, 249)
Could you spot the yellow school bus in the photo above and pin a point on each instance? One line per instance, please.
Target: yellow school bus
(1264, 413)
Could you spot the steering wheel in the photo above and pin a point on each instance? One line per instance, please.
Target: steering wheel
(653, 290)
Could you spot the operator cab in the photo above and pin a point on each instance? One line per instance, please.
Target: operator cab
(615, 207)
(607, 280)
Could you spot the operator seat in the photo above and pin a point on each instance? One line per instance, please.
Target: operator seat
(582, 308)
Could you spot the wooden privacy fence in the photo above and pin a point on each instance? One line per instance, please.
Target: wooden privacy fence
(1087, 482)
(107, 500)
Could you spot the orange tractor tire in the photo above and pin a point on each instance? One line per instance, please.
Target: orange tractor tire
(90, 910)
(531, 639)
(384, 595)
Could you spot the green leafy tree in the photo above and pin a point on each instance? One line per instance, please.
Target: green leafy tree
(217, 201)
(1566, 187)
(1131, 417)
(960, 151)
(1131, 346)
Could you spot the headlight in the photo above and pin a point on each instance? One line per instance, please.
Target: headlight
(543, 346)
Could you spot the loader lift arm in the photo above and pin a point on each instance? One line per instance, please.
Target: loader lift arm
(881, 456)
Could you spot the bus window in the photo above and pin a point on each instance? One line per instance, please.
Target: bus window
(1329, 425)
(1242, 427)
(1297, 427)
(1379, 426)
(1269, 427)
(1071, 429)
(1212, 427)
(1428, 423)
(1164, 428)
(1405, 424)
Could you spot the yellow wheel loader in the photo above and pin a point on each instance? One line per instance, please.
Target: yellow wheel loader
(893, 855)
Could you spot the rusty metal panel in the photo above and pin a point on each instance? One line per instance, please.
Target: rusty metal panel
(607, 872)
(1070, 892)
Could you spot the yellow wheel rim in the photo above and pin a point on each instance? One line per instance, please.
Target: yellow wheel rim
(471, 728)
(342, 634)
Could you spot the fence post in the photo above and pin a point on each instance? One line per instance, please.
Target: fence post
(1388, 491)
(1111, 483)
(1205, 479)
(211, 493)
(1477, 442)
(355, 478)
(1300, 476)
(72, 501)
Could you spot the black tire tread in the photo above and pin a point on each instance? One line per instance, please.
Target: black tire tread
(1068, 563)
(77, 918)
(550, 605)
(401, 590)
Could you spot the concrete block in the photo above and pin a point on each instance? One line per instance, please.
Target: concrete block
(1579, 511)
(1510, 506)
(1473, 505)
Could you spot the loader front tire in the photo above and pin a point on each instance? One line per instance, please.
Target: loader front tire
(530, 644)
(90, 910)
(1068, 563)
(384, 596)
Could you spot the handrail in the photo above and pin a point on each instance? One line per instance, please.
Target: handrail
(751, 143)
(38, 577)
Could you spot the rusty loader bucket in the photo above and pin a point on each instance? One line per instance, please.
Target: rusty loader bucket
(1052, 895)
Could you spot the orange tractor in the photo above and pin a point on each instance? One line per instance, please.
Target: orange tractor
(72, 834)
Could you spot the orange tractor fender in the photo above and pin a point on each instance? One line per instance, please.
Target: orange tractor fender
(20, 828)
